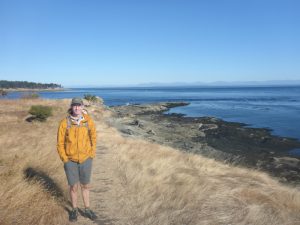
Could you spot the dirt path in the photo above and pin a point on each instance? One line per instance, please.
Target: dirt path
(103, 187)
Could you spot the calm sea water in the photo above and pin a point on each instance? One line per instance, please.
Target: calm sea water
(277, 108)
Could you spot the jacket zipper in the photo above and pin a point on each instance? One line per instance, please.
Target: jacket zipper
(77, 142)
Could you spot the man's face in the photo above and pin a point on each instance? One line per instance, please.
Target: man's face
(76, 109)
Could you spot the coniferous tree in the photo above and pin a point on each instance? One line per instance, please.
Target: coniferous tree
(26, 84)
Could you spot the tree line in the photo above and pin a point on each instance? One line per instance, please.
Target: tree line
(26, 84)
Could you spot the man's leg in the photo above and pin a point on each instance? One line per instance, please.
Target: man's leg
(85, 190)
(86, 199)
(72, 172)
(73, 195)
(84, 177)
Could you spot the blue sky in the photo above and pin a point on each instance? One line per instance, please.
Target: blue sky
(129, 42)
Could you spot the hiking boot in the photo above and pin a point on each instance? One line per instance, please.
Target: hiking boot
(90, 214)
(73, 215)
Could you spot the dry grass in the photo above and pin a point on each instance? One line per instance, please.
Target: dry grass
(153, 184)
(160, 185)
(28, 150)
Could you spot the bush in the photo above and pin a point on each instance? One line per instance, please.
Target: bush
(40, 112)
(91, 98)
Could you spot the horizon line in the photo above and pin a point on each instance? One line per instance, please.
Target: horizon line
(198, 84)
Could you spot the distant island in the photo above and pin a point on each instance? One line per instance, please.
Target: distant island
(5, 84)
(224, 83)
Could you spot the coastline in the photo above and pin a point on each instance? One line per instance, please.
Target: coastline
(32, 89)
(230, 142)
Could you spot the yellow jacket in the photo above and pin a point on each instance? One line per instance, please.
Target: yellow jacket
(76, 142)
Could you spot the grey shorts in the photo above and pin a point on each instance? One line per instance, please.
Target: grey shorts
(78, 171)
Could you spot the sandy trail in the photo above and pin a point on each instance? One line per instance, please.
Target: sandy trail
(103, 184)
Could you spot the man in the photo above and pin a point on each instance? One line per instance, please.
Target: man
(76, 146)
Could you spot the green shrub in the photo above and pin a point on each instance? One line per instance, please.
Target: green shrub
(40, 112)
(91, 98)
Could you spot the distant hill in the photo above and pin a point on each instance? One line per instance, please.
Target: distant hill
(224, 83)
(26, 84)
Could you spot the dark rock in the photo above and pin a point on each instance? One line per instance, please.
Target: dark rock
(151, 132)
(204, 127)
(127, 131)
(229, 142)
(134, 123)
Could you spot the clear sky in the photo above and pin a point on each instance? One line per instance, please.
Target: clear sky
(85, 42)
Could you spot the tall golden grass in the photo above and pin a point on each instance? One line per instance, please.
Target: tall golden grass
(152, 184)
(33, 187)
(161, 185)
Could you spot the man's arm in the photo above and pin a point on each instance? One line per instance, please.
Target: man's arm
(93, 136)
(61, 141)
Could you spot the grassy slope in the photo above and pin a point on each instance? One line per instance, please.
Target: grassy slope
(27, 145)
(153, 184)
(160, 185)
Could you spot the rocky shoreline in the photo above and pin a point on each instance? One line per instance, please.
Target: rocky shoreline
(212, 137)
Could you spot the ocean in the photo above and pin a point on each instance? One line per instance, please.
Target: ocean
(275, 108)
